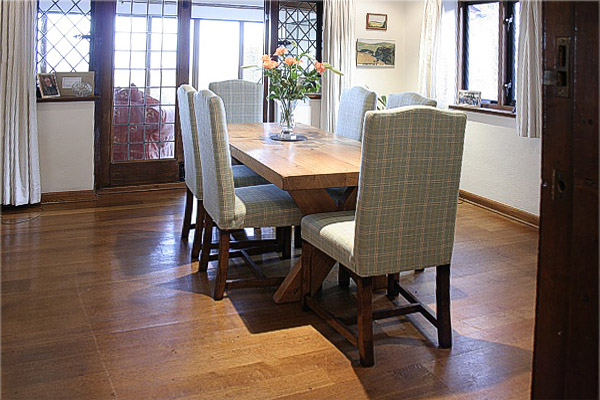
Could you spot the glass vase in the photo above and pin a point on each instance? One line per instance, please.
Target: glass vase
(286, 118)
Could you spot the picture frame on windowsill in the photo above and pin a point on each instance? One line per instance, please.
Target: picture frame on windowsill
(48, 85)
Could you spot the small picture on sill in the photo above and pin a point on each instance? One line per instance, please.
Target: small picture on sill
(470, 98)
(48, 85)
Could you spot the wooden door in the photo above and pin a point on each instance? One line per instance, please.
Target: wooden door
(565, 362)
(142, 57)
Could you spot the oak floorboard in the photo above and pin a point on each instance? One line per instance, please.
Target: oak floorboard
(100, 301)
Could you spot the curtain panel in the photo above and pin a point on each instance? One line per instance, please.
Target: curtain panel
(529, 70)
(338, 39)
(428, 49)
(18, 112)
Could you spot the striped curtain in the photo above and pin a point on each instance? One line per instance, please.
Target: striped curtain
(18, 113)
(529, 71)
(338, 39)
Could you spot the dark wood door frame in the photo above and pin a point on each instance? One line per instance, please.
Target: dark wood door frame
(107, 173)
(565, 361)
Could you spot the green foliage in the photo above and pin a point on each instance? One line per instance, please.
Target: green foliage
(381, 102)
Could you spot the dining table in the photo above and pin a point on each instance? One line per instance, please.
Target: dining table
(305, 169)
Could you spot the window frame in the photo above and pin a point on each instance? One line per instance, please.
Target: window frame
(506, 53)
(195, 48)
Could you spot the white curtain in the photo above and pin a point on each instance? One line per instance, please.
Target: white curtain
(529, 70)
(338, 50)
(18, 113)
(430, 39)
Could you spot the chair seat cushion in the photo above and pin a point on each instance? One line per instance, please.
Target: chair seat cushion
(332, 233)
(264, 205)
(244, 176)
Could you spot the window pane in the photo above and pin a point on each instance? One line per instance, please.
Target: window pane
(219, 59)
(253, 49)
(483, 49)
(144, 81)
(63, 43)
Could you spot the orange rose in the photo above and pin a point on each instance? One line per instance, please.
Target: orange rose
(320, 67)
(291, 61)
(270, 64)
(281, 50)
(266, 57)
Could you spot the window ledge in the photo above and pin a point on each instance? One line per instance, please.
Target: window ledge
(484, 110)
(66, 99)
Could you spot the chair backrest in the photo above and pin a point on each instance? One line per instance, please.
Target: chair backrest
(408, 189)
(396, 100)
(189, 138)
(217, 175)
(354, 104)
(243, 100)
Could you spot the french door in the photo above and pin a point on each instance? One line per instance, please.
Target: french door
(143, 58)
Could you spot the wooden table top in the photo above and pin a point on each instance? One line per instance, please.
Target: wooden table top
(324, 160)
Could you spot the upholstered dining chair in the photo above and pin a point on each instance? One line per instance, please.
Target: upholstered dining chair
(404, 218)
(231, 208)
(354, 104)
(243, 100)
(242, 175)
(396, 100)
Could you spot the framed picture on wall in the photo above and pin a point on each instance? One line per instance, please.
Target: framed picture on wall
(377, 21)
(375, 53)
(48, 86)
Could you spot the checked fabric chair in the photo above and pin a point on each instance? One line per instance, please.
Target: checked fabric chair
(231, 208)
(243, 102)
(243, 176)
(354, 104)
(404, 219)
(396, 100)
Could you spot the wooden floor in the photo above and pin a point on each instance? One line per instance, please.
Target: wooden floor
(99, 301)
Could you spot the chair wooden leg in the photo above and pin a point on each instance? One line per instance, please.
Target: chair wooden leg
(365, 322)
(442, 296)
(286, 237)
(392, 291)
(307, 251)
(343, 276)
(221, 280)
(187, 216)
(208, 225)
(297, 237)
(200, 214)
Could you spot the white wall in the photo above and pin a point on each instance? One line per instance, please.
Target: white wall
(66, 145)
(383, 80)
(499, 165)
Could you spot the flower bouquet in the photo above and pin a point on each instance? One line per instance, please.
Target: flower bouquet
(289, 83)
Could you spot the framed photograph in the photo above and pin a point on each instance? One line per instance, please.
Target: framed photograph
(469, 98)
(48, 85)
(68, 81)
(375, 53)
(377, 21)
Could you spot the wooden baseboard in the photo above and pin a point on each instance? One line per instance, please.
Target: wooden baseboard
(502, 209)
(69, 197)
(142, 188)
